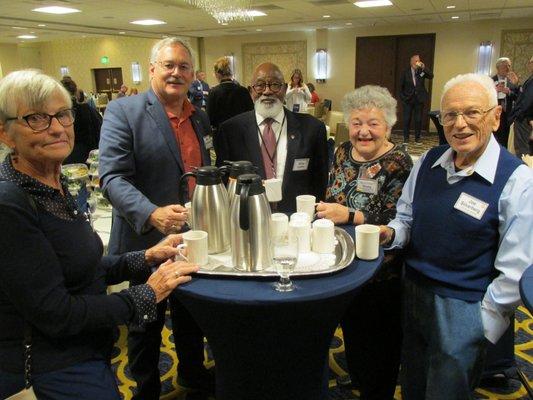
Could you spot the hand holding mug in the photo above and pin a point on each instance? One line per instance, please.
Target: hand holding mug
(385, 235)
(168, 219)
(163, 250)
(168, 276)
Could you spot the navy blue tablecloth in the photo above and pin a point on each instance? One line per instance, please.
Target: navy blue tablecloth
(272, 345)
(526, 288)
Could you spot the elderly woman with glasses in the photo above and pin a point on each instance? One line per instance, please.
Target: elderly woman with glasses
(53, 277)
(365, 183)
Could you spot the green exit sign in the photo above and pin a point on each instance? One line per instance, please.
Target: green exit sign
(104, 60)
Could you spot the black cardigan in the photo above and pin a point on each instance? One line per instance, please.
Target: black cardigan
(53, 276)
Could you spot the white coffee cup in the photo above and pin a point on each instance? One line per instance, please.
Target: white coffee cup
(301, 216)
(367, 241)
(300, 231)
(189, 212)
(306, 203)
(279, 225)
(273, 189)
(323, 236)
(196, 244)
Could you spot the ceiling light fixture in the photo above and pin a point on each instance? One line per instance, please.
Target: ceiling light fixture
(449, 7)
(27, 37)
(227, 10)
(349, 23)
(326, 16)
(122, 33)
(20, 28)
(455, 17)
(148, 22)
(56, 10)
(259, 30)
(372, 3)
(41, 25)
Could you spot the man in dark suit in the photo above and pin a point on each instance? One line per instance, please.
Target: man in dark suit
(507, 88)
(523, 116)
(413, 94)
(147, 142)
(199, 90)
(280, 143)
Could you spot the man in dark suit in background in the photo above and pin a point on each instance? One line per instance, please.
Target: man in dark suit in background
(199, 90)
(507, 88)
(280, 143)
(413, 94)
(147, 143)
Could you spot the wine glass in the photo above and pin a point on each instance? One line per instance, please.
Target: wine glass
(92, 202)
(284, 260)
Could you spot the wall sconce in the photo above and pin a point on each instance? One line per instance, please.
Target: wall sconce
(63, 70)
(484, 58)
(231, 59)
(321, 59)
(136, 75)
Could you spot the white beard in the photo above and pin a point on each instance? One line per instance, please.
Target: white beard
(268, 110)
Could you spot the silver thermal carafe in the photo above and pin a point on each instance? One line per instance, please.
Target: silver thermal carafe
(250, 225)
(210, 207)
(237, 168)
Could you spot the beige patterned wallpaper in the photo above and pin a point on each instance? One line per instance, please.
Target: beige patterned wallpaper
(286, 55)
(518, 46)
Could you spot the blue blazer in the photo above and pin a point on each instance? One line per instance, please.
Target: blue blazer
(140, 166)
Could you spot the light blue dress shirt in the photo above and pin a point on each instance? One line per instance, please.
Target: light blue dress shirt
(515, 250)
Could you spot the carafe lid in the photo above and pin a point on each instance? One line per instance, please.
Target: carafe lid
(252, 180)
(208, 175)
(237, 168)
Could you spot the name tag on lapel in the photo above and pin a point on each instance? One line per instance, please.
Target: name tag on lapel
(300, 164)
(208, 141)
(471, 206)
(422, 74)
(369, 186)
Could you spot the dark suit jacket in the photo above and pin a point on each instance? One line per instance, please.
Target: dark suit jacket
(140, 166)
(408, 92)
(508, 101)
(227, 100)
(238, 139)
(523, 108)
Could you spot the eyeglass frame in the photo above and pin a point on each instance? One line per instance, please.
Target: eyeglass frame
(462, 113)
(175, 65)
(269, 85)
(50, 116)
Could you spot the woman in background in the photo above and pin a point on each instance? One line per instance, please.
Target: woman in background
(366, 181)
(314, 96)
(298, 94)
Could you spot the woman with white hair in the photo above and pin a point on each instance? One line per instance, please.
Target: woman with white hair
(53, 277)
(365, 183)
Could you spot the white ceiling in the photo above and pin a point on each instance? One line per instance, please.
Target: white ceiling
(109, 17)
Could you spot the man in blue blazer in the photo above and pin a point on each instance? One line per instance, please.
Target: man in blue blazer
(147, 142)
(413, 95)
(298, 152)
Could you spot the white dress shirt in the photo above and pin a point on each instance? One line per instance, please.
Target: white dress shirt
(515, 250)
(280, 123)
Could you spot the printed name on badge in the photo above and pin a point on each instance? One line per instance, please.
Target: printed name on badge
(300, 164)
(471, 206)
(367, 186)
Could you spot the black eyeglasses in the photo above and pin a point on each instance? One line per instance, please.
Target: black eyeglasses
(39, 122)
(274, 87)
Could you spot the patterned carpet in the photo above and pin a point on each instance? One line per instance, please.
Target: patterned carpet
(337, 364)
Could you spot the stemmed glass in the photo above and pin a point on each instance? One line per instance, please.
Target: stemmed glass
(285, 259)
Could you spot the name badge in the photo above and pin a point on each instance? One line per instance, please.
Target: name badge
(471, 206)
(300, 164)
(208, 141)
(295, 108)
(422, 74)
(369, 186)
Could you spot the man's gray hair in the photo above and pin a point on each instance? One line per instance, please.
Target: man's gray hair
(484, 80)
(169, 42)
(29, 88)
(502, 60)
(371, 96)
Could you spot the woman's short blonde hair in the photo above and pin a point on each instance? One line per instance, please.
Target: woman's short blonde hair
(28, 88)
(222, 67)
(371, 96)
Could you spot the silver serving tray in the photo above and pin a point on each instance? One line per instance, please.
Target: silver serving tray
(308, 263)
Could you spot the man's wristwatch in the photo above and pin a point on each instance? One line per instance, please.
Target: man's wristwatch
(351, 215)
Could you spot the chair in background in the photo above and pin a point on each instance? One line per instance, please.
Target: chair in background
(311, 110)
(342, 134)
(333, 118)
(327, 104)
(319, 110)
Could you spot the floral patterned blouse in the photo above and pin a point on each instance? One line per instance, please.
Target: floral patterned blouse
(372, 187)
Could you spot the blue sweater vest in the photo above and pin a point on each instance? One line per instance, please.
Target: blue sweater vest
(451, 252)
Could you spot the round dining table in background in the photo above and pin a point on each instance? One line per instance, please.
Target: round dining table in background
(526, 288)
(268, 344)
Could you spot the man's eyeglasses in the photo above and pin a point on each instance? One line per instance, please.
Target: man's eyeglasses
(171, 67)
(39, 122)
(471, 116)
(274, 87)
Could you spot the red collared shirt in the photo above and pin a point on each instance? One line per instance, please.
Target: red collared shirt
(188, 144)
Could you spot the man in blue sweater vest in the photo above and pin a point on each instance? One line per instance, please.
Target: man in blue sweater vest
(464, 218)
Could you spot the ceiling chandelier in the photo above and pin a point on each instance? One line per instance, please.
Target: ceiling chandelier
(225, 11)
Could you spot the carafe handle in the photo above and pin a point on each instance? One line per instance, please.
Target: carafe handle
(244, 216)
(183, 180)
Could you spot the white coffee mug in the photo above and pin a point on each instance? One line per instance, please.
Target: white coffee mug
(367, 241)
(196, 244)
(301, 216)
(306, 203)
(273, 189)
(279, 225)
(323, 236)
(300, 231)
